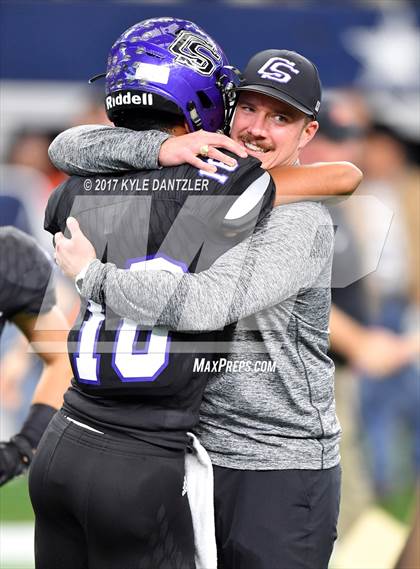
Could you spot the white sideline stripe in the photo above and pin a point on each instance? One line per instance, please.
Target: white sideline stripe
(17, 544)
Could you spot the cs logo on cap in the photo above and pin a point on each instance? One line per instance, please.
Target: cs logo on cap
(278, 69)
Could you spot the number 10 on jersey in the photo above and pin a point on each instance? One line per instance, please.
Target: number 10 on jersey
(129, 364)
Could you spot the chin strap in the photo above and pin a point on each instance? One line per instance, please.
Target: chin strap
(227, 84)
(194, 116)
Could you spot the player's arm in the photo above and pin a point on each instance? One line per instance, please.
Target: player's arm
(98, 149)
(47, 334)
(315, 181)
(27, 291)
(286, 253)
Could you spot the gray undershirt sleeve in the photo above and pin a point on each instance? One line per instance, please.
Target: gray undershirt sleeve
(97, 149)
(286, 253)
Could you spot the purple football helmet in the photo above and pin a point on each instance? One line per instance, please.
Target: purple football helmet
(171, 65)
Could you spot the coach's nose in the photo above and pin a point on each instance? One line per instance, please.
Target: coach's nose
(257, 126)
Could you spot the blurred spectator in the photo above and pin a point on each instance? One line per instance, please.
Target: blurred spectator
(343, 135)
(30, 149)
(13, 212)
(391, 409)
(29, 176)
(94, 113)
(23, 193)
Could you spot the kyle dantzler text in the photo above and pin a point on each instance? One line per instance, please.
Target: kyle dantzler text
(146, 185)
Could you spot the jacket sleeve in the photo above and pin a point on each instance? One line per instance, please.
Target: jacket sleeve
(287, 253)
(98, 149)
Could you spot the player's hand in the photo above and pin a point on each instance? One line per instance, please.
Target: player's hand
(15, 457)
(382, 352)
(193, 147)
(74, 254)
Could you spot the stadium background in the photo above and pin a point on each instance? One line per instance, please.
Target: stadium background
(367, 50)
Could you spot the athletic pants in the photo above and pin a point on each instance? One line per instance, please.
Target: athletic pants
(103, 502)
(282, 519)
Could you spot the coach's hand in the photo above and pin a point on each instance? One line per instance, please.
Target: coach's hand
(15, 457)
(193, 147)
(74, 254)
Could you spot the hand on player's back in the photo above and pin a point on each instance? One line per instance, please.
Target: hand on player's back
(187, 149)
(74, 254)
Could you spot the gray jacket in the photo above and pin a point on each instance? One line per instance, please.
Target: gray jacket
(270, 402)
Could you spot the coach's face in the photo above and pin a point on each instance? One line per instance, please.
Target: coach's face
(271, 130)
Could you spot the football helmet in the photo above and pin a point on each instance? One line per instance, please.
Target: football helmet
(171, 65)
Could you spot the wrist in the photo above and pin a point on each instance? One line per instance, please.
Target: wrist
(151, 141)
(161, 160)
(79, 278)
(93, 280)
(37, 421)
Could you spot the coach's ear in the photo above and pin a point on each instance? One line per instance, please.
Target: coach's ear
(308, 132)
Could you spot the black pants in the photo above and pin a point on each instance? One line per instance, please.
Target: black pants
(102, 502)
(282, 519)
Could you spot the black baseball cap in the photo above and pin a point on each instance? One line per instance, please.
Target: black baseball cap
(284, 75)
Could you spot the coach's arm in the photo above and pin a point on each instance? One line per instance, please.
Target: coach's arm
(285, 254)
(95, 149)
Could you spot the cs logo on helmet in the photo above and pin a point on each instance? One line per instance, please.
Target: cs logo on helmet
(195, 52)
(278, 69)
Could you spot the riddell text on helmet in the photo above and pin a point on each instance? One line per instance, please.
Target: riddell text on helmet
(128, 99)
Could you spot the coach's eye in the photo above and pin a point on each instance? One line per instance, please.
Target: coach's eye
(280, 118)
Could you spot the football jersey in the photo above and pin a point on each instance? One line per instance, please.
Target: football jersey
(25, 276)
(178, 219)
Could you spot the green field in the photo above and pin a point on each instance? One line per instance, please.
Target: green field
(16, 517)
(15, 505)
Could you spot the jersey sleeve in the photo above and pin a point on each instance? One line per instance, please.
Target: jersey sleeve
(97, 149)
(59, 206)
(26, 272)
